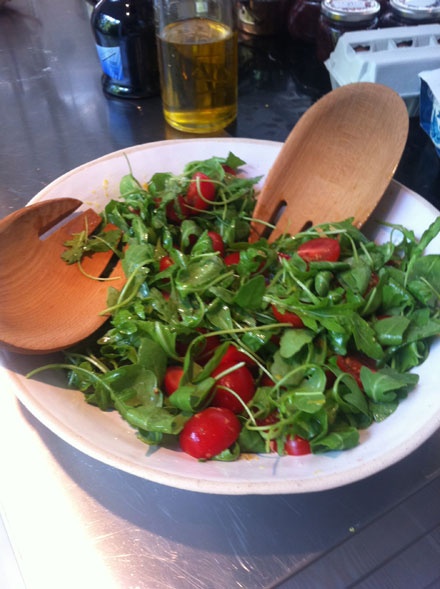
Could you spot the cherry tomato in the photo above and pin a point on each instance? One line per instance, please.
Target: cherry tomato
(239, 380)
(229, 170)
(320, 249)
(209, 432)
(211, 344)
(176, 210)
(287, 317)
(200, 190)
(217, 242)
(296, 446)
(165, 262)
(352, 365)
(172, 378)
(232, 259)
(269, 419)
(233, 356)
(267, 381)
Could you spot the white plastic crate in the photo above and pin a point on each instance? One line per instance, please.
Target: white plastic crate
(391, 56)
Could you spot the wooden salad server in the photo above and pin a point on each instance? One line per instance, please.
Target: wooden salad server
(337, 161)
(45, 304)
(336, 164)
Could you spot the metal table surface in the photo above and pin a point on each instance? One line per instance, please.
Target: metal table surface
(70, 521)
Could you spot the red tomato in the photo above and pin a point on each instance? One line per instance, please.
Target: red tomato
(209, 432)
(200, 190)
(232, 259)
(233, 356)
(353, 364)
(296, 446)
(229, 170)
(165, 262)
(267, 381)
(287, 317)
(172, 378)
(321, 249)
(239, 380)
(269, 419)
(211, 344)
(217, 242)
(177, 210)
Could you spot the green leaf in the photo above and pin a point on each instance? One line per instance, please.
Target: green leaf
(382, 386)
(199, 275)
(152, 357)
(365, 338)
(250, 294)
(424, 279)
(336, 441)
(390, 330)
(192, 397)
(293, 340)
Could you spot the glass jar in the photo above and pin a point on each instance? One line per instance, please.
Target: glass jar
(303, 20)
(404, 13)
(261, 17)
(341, 16)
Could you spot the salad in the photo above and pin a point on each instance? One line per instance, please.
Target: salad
(222, 346)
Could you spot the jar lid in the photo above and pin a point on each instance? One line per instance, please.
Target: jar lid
(350, 10)
(417, 9)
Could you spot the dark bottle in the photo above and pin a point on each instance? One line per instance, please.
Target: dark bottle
(90, 5)
(126, 44)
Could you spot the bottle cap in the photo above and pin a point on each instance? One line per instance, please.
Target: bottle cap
(417, 9)
(350, 10)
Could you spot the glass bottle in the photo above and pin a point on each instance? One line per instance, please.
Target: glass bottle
(126, 44)
(340, 16)
(405, 13)
(90, 5)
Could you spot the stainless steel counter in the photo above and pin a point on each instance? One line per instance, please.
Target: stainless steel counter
(73, 522)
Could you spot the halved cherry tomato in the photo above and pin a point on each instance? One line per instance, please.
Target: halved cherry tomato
(201, 191)
(287, 317)
(165, 262)
(232, 259)
(352, 365)
(217, 242)
(229, 170)
(172, 378)
(176, 210)
(296, 446)
(239, 380)
(283, 256)
(320, 249)
(209, 432)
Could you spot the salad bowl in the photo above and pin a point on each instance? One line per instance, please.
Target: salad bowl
(106, 437)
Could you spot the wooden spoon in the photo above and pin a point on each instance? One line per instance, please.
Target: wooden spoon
(335, 164)
(45, 304)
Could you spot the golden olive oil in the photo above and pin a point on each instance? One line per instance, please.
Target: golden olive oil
(198, 68)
